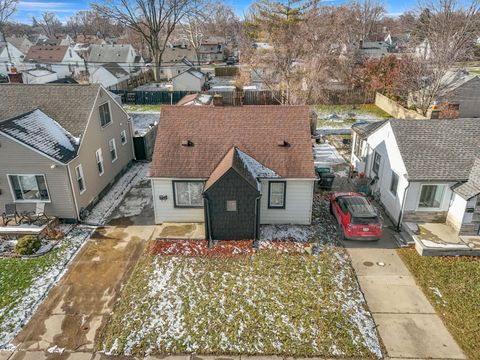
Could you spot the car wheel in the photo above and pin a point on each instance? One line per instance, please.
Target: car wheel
(341, 233)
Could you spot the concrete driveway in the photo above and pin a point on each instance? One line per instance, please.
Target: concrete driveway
(406, 321)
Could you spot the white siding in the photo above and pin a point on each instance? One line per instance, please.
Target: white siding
(298, 204)
(413, 197)
(165, 211)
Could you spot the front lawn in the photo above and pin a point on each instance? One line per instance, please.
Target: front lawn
(24, 282)
(452, 284)
(232, 299)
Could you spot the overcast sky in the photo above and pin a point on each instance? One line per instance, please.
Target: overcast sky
(65, 8)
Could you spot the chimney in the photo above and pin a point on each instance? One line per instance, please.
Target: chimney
(217, 100)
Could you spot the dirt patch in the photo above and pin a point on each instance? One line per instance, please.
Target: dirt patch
(78, 306)
(428, 235)
(176, 230)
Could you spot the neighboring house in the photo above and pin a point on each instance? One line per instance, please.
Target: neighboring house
(423, 50)
(21, 43)
(423, 171)
(169, 70)
(109, 75)
(39, 75)
(63, 145)
(373, 49)
(59, 58)
(89, 39)
(124, 55)
(10, 57)
(189, 80)
(212, 50)
(460, 92)
(173, 55)
(223, 167)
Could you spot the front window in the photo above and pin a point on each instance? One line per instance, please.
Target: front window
(29, 187)
(80, 178)
(431, 196)
(376, 163)
(188, 193)
(113, 149)
(105, 118)
(394, 184)
(276, 194)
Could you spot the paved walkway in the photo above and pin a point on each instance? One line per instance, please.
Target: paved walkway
(406, 321)
(77, 307)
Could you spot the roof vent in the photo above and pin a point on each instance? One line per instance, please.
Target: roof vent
(187, 143)
(283, 143)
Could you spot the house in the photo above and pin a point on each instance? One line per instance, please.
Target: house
(59, 58)
(173, 55)
(40, 75)
(62, 144)
(124, 55)
(169, 70)
(212, 50)
(223, 167)
(10, 57)
(373, 49)
(189, 80)
(110, 75)
(423, 171)
(459, 92)
(21, 43)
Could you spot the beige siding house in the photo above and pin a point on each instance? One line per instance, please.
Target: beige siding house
(61, 144)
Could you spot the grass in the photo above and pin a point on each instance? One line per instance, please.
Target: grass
(452, 284)
(265, 303)
(24, 282)
(368, 109)
(142, 108)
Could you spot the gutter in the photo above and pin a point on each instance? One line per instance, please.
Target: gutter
(402, 210)
(257, 221)
(73, 191)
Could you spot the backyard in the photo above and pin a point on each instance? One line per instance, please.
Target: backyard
(452, 284)
(340, 116)
(232, 299)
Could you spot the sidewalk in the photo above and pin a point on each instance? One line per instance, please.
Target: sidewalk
(406, 321)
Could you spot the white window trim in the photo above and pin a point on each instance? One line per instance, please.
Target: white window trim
(30, 200)
(394, 194)
(112, 141)
(109, 111)
(375, 153)
(124, 133)
(418, 208)
(99, 155)
(82, 176)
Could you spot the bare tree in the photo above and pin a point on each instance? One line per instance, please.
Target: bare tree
(222, 22)
(154, 20)
(369, 13)
(7, 8)
(49, 23)
(447, 30)
(193, 30)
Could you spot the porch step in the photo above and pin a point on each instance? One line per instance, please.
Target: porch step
(403, 239)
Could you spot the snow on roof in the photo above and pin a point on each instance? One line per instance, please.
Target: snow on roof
(255, 168)
(40, 132)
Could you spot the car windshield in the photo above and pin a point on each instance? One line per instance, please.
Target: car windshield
(365, 220)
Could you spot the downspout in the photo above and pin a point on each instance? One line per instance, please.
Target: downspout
(209, 227)
(73, 192)
(257, 221)
(400, 216)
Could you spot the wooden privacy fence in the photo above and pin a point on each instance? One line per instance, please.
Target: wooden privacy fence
(237, 97)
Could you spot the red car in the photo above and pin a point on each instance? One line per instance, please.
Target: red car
(357, 219)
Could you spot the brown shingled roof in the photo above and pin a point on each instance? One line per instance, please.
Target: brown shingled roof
(255, 130)
(46, 53)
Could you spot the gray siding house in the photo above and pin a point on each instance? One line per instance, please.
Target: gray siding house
(423, 171)
(234, 168)
(61, 144)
